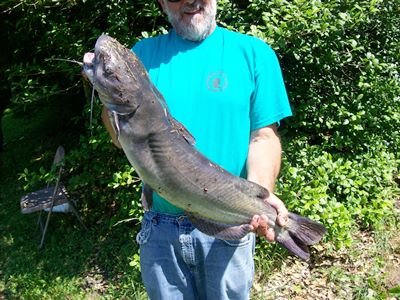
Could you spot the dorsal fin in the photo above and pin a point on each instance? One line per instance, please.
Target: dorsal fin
(176, 125)
(181, 129)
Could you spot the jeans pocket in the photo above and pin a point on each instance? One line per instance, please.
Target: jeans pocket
(144, 234)
(248, 238)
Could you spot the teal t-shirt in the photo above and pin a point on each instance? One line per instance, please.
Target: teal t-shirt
(221, 89)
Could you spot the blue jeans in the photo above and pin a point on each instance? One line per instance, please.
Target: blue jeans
(180, 262)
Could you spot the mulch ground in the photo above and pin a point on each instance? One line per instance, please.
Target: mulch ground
(367, 270)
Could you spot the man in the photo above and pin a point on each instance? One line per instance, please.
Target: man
(227, 89)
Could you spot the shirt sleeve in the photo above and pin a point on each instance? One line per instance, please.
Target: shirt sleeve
(137, 49)
(269, 102)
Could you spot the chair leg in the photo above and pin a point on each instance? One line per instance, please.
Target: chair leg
(76, 213)
(45, 228)
(40, 222)
(51, 208)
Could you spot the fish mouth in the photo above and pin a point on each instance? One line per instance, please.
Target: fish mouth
(98, 66)
(94, 68)
(108, 76)
(88, 59)
(88, 63)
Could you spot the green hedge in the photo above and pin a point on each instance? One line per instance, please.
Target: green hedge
(340, 61)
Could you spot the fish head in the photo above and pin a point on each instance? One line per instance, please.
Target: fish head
(116, 74)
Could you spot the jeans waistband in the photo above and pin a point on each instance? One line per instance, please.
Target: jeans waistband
(159, 217)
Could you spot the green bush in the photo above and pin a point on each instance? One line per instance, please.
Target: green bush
(343, 191)
(340, 61)
(40, 33)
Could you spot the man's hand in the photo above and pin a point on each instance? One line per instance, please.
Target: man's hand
(260, 222)
(263, 164)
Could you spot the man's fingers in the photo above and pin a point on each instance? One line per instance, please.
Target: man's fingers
(254, 222)
(281, 209)
(281, 219)
(270, 235)
(260, 226)
(263, 221)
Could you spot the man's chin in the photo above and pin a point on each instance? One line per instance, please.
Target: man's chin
(194, 35)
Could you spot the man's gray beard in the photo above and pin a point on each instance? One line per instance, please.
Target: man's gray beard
(195, 31)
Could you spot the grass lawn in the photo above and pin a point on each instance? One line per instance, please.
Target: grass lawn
(99, 263)
(75, 263)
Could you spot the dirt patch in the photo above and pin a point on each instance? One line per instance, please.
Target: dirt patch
(94, 282)
(397, 203)
(367, 270)
(393, 266)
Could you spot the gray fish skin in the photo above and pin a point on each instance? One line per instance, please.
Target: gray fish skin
(161, 151)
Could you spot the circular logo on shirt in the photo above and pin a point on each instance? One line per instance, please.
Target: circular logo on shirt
(217, 81)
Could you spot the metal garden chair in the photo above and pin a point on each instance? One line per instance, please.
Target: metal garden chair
(53, 198)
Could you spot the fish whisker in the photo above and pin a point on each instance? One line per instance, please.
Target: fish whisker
(91, 111)
(64, 59)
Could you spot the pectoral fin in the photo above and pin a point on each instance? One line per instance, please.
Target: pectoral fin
(219, 230)
(113, 116)
(147, 196)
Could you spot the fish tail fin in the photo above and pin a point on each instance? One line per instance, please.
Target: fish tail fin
(307, 231)
(293, 245)
(299, 233)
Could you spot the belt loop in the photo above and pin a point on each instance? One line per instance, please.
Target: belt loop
(154, 219)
